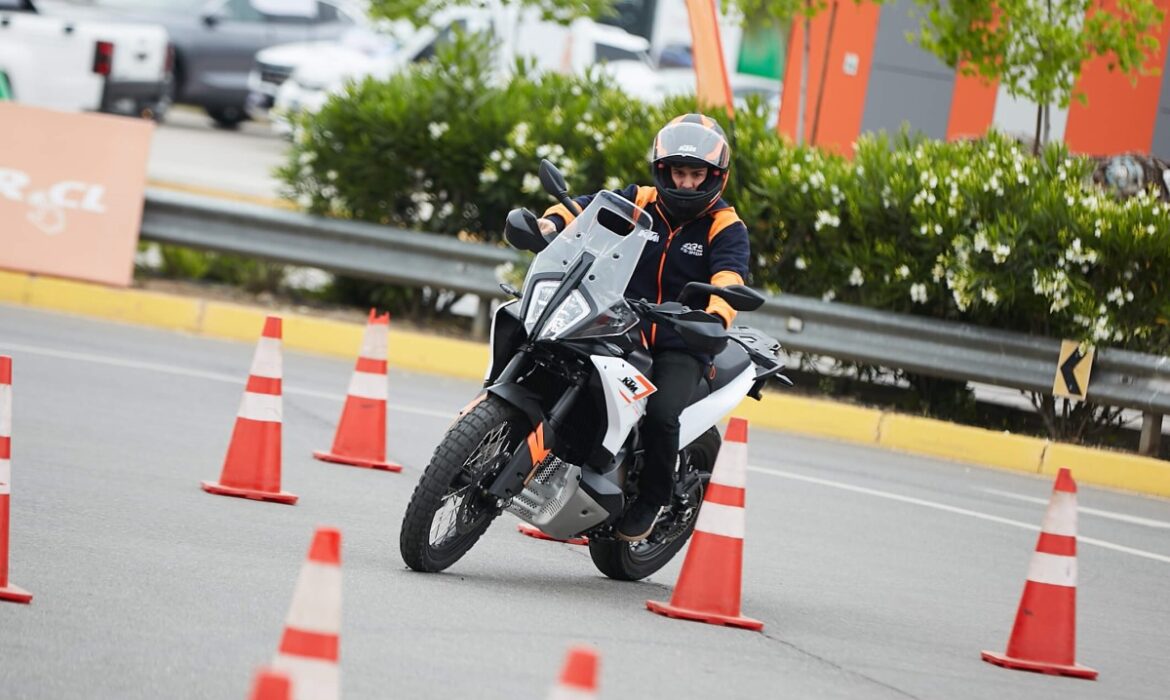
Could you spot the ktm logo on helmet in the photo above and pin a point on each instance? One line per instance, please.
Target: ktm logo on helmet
(688, 149)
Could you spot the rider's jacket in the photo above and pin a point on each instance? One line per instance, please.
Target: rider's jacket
(712, 248)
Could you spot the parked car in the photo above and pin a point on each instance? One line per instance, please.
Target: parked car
(300, 78)
(216, 41)
(62, 57)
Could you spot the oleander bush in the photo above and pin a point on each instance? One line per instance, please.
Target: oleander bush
(976, 231)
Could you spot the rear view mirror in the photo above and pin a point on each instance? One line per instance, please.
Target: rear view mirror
(523, 232)
(552, 179)
(738, 296)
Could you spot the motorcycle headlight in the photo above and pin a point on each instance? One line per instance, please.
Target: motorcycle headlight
(571, 312)
(541, 293)
(616, 320)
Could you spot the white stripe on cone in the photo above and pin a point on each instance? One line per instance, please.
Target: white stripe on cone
(563, 692)
(719, 519)
(367, 385)
(5, 477)
(312, 679)
(1054, 569)
(374, 342)
(1061, 516)
(731, 465)
(261, 407)
(5, 410)
(268, 361)
(316, 605)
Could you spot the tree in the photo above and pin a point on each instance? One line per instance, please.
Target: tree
(1036, 48)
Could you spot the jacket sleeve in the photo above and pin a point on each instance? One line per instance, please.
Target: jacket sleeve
(728, 261)
(561, 217)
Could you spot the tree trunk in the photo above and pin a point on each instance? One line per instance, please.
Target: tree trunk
(816, 123)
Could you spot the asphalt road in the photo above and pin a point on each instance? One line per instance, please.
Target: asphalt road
(877, 575)
(187, 149)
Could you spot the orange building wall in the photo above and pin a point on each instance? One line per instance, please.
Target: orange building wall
(843, 101)
(1119, 115)
(972, 107)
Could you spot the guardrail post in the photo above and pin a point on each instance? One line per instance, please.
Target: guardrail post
(1151, 434)
(483, 317)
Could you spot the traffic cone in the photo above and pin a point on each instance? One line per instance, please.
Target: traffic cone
(708, 588)
(310, 645)
(360, 440)
(8, 591)
(578, 679)
(252, 466)
(536, 534)
(271, 685)
(1044, 635)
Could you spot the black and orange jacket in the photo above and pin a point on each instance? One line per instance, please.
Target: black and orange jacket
(712, 248)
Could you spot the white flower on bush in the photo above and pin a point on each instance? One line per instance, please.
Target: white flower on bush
(989, 295)
(829, 295)
(489, 176)
(519, 135)
(1001, 253)
(856, 279)
(613, 182)
(817, 179)
(918, 293)
(937, 272)
(825, 218)
(437, 129)
(800, 263)
(531, 184)
(495, 156)
(307, 157)
(980, 241)
(903, 272)
(924, 229)
(425, 211)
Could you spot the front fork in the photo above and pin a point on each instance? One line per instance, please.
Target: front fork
(540, 442)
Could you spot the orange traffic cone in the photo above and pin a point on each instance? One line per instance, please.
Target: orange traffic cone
(311, 643)
(8, 591)
(578, 679)
(360, 440)
(252, 466)
(271, 685)
(1044, 636)
(536, 534)
(708, 588)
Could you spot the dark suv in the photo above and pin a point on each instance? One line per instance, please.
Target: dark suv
(216, 40)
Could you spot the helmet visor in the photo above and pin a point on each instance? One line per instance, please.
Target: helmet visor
(690, 140)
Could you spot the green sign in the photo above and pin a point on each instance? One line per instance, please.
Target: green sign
(5, 92)
(763, 51)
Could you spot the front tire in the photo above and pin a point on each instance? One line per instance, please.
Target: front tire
(448, 512)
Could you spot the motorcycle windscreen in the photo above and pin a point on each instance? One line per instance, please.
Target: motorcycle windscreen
(614, 230)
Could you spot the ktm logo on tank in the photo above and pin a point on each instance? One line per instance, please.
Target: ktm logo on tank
(629, 383)
(47, 206)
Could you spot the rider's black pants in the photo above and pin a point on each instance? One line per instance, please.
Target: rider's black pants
(675, 374)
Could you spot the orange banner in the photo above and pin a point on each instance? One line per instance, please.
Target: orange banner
(71, 192)
(712, 86)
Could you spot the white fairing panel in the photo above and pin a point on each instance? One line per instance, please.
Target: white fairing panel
(625, 390)
(706, 413)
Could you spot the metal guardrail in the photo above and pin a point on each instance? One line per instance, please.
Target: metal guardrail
(916, 344)
(370, 251)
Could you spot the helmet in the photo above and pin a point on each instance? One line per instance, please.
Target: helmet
(690, 140)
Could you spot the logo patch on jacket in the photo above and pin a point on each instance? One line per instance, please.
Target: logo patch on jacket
(693, 248)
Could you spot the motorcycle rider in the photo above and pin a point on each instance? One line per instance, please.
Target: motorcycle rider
(696, 236)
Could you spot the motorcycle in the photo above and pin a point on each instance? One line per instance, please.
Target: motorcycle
(554, 436)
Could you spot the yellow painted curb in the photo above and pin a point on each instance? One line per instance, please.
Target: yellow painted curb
(428, 353)
(222, 194)
(13, 287)
(960, 442)
(1114, 469)
(136, 306)
(812, 417)
(232, 321)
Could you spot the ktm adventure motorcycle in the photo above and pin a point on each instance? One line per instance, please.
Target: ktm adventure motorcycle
(554, 436)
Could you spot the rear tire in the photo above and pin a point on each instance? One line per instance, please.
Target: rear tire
(633, 561)
(227, 118)
(475, 449)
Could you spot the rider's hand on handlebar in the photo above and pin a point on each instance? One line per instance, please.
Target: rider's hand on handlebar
(546, 226)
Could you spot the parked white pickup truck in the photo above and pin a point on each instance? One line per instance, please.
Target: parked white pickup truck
(54, 57)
